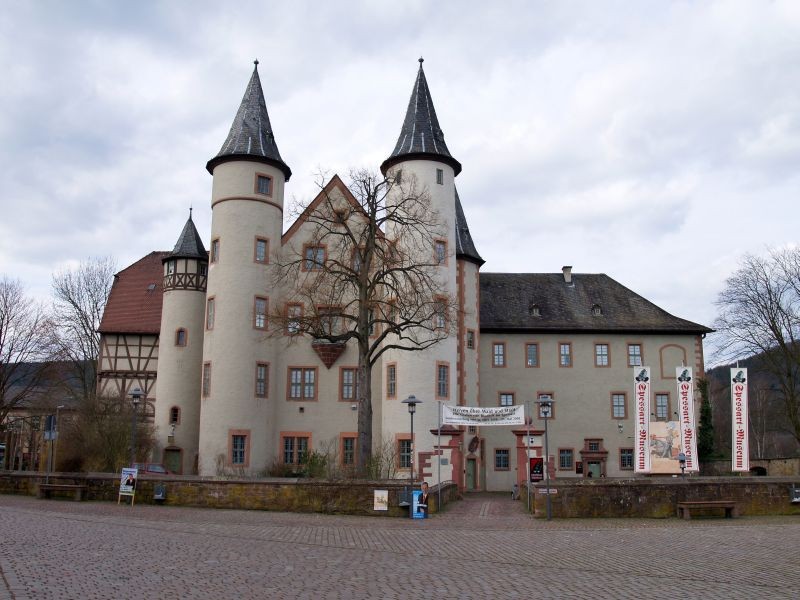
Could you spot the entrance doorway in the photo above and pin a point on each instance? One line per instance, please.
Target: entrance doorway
(471, 472)
(594, 469)
(173, 460)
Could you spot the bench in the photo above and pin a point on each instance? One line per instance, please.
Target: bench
(45, 489)
(685, 508)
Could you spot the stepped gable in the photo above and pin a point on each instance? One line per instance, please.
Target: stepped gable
(134, 304)
(421, 137)
(509, 302)
(251, 137)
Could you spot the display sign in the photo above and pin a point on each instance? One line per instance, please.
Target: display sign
(740, 452)
(688, 431)
(127, 483)
(381, 501)
(417, 509)
(641, 395)
(483, 415)
(537, 469)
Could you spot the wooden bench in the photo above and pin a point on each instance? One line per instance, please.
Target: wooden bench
(685, 508)
(45, 489)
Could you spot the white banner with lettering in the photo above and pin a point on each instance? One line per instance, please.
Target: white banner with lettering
(740, 453)
(480, 415)
(686, 412)
(641, 395)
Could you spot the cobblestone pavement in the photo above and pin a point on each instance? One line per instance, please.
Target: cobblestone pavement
(482, 547)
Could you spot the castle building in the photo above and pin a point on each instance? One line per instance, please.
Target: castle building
(190, 329)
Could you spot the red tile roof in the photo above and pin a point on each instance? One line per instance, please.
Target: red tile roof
(134, 304)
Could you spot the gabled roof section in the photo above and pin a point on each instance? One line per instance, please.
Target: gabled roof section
(421, 137)
(465, 247)
(523, 302)
(189, 244)
(251, 137)
(335, 183)
(134, 304)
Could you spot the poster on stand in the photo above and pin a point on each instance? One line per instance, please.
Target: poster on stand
(641, 395)
(688, 431)
(127, 484)
(740, 452)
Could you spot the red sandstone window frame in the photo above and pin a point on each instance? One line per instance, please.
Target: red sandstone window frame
(629, 452)
(303, 384)
(391, 382)
(568, 355)
(599, 356)
(666, 417)
(400, 440)
(311, 264)
(263, 315)
(538, 355)
(624, 405)
(258, 381)
(265, 259)
(353, 384)
(245, 433)
(470, 343)
(440, 260)
(438, 381)
(639, 345)
(211, 306)
(441, 322)
(257, 180)
(497, 454)
(571, 455)
(348, 435)
(299, 315)
(506, 393)
(206, 380)
(214, 251)
(499, 358)
(294, 436)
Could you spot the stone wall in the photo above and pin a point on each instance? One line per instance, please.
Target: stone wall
(294, 495)
(775, 467)
(658, 498)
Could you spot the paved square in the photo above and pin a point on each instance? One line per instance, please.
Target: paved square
(482, 547)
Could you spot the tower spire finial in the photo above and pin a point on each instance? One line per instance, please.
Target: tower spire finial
(190, 212)
(255, 62)
(421, 60)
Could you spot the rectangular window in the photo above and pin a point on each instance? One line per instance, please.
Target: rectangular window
(170, 267)
(349, 451)
(210, 306)
(501, 459)
(619, 409)
(404, 453)
(202, 268)
(662, 407)
(506, 399)
(238, 445)
(302, 383)
(295, 449)
(531, 355)
(260, 313)
(391, 381)
(347, 384)
(626, 458)
(634, 355)
(601, 355)
(214, 250)
(566, 459)
(499, 354)
(442, 380)
(261, 252)
(329, 320)
(440, 176)
(180, 337)
(294, 313)
(470, 339)
(565, 354)
(264, 185)
(355, 260)
(262, 379)
(206, 379)
(440, 314)
(440, 252)
(593, 445)
(314, 258)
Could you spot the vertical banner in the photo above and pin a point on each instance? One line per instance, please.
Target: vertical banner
(686, 403)
(641, 394)
(740, 452)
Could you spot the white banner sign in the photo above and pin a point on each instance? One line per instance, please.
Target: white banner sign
(641, 395)
(688, 429)
(478, 415)
(740, 453)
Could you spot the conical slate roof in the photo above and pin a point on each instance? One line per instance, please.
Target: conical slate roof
(251, 137)
(421, 137)
(189, 243)
(465, 247)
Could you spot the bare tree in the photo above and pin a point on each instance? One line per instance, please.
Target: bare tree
(367, 275)
(760, 317)
(25, 334)
(79, 298)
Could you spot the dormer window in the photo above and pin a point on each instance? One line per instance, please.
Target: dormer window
(596, 310)
(533, 310)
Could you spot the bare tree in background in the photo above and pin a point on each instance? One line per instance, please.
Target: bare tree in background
(79, 298)
(760, 317)
(25, 335)
(368, 275)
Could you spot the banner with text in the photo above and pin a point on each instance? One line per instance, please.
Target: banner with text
(686, 412)
(740, 453)
(483, 416)
(641, 395)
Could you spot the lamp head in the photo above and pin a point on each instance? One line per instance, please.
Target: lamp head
(412, 402)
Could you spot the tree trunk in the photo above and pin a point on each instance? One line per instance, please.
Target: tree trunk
(364, 390)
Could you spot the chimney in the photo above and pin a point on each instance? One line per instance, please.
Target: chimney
(567, 270)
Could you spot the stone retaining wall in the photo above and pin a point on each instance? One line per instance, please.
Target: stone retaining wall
(293, 495)
(658, 498)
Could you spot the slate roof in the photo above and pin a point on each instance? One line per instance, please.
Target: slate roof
(465, 247)
(251, 137)
(134, 304)
(421, 137)
(189, 244)
(508, 301)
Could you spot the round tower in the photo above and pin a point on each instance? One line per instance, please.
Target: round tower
(180, 357)
(421, 158)
(238, 356)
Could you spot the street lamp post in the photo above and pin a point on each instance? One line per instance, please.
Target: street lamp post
(135, 395)
(412, 402)
(545, 411)
(57, 429)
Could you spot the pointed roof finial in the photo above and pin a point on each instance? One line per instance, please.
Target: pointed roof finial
(420, 136)
(190, 212)
(255, 62)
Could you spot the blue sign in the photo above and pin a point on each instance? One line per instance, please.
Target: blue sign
(418, 511)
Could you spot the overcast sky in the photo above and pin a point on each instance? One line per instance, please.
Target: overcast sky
(656, 142)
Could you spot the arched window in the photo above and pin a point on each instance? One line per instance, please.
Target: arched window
(174, 415)
(180, 337)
